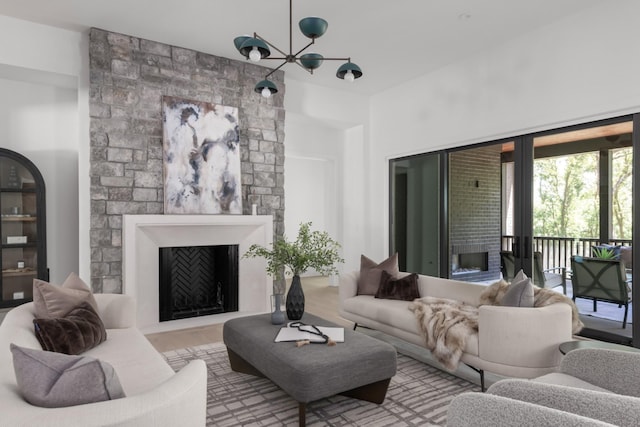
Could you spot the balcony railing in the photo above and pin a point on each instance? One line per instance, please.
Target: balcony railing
(557, 251)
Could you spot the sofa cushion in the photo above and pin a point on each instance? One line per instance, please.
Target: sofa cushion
(404, 288)
(389, 315)
(76, 332)
(140, 368)
(519, 293)
(626, 255)
(55, 380)
(55, 301)
(370, 273)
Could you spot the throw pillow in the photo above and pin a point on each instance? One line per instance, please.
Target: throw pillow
(52, 301)
(80, 330)
(370, 273)
(54, 380)
(519, 293)
(405, 288)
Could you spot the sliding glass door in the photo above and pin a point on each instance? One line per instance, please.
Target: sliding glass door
(532, 202)
(582, 209)
(415, 213)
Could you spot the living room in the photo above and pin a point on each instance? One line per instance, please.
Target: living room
(576, 67)
(580, 87)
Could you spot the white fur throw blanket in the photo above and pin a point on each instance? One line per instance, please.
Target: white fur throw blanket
(447, 324)
(542, 297)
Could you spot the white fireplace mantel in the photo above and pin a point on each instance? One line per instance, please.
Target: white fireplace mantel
(144, 235)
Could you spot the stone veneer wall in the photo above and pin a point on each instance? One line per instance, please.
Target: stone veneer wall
(128, 77)
(474, 212)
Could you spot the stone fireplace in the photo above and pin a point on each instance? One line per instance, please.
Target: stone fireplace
(144, 235)
(128, 78)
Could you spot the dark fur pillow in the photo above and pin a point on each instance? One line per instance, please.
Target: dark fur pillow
(78, 331)
(405, 288)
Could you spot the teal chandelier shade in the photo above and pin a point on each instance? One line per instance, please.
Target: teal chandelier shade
(237, 42)
(349, 68)
(313, 27)
(251, 45)
(257, 48)
(266, 88)
(311, 61)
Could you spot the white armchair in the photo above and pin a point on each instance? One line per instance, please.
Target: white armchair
(592, 387)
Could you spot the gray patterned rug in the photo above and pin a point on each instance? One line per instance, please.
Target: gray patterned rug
(418, 395)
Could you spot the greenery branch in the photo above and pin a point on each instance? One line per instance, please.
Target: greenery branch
(311, 249)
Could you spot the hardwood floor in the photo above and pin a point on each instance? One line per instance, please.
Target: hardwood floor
(321, 299)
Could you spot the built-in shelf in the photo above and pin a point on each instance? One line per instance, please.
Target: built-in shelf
(19, 218)
(23, 251)
(19, 273)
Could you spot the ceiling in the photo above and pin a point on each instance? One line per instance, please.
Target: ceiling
(392, 41)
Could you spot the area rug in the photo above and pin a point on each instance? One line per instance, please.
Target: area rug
(418, 395)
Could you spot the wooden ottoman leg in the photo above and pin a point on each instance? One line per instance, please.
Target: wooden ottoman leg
(374, 392)
(238, 364)
(302, 414)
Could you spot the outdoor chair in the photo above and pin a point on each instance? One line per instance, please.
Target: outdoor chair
(541, 277)
(507, 265)
(548, 278)
(600, 280)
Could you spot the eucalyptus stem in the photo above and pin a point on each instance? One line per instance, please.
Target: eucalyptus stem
(311, 249)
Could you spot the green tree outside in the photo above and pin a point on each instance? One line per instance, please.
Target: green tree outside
(566, 196)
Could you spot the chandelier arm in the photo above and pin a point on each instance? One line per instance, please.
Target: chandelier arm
(303, 67)
(269, 43)
(337, 59)
(304, 48)
(276, 69)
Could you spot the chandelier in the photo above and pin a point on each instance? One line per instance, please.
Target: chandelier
(256, 48)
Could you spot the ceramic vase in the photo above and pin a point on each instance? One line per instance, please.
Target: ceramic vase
(295, 300)
(277, 315)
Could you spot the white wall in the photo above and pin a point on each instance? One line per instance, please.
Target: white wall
(39, 122)
(575, 70)
(40, 118)
(313, 177)
(324, 165)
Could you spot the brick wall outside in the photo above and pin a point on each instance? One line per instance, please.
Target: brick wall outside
(128, 77)
(475, 216)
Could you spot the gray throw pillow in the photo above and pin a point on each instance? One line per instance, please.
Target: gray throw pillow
(520, 292)
(54, 380)
(371, 273)
(51, 301)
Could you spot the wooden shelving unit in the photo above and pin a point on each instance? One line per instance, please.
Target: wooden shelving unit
(22, 228)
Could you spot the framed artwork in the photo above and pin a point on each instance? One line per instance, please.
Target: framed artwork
(201, 158)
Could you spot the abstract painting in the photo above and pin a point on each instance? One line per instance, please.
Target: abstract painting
(201, 158)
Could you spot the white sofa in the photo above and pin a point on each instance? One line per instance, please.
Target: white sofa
(156, 395)
(511, 341)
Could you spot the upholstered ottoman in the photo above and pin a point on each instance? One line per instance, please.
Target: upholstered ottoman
(360, 367)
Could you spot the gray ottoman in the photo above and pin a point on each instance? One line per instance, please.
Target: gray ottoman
(361, 367)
